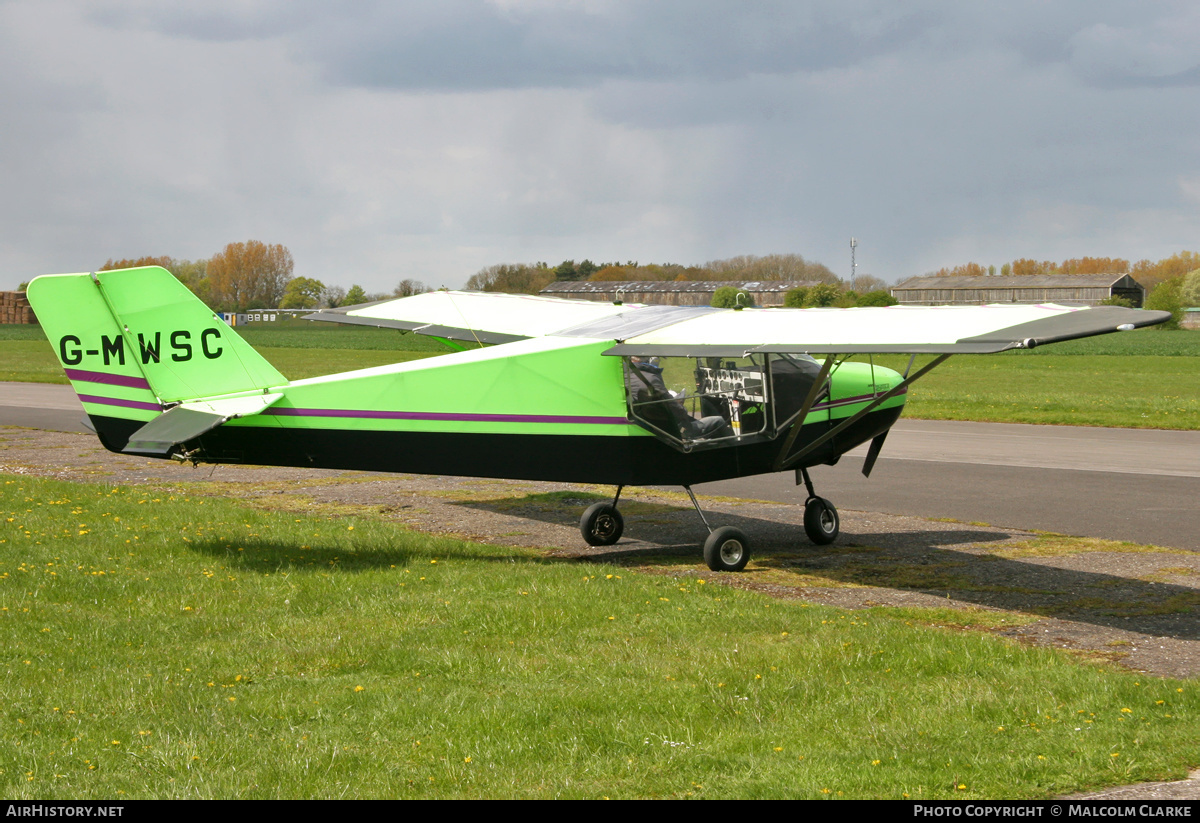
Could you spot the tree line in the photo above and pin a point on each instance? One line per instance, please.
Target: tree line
(254, 275)
(531, 278)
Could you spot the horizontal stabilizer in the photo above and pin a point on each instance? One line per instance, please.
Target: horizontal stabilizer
(188, 421)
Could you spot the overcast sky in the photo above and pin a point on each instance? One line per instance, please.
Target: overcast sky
(389, 140)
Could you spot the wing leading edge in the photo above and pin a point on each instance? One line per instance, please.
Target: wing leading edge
(487, 318)
(898, 329)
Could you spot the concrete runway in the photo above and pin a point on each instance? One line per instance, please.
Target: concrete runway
(1141, 485)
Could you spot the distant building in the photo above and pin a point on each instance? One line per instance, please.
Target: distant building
(1087, 289)
(670, 292)
(262, 315)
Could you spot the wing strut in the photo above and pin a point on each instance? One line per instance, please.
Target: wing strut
(813, 394)
(785, 460)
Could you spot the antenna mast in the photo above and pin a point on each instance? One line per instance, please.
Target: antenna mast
(853, 265)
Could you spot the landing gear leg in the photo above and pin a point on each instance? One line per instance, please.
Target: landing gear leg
(602, 524)
(726, 549)
(821, 521)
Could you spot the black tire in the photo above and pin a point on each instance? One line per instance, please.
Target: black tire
(821, 521)
(601, 525)
(727, 550)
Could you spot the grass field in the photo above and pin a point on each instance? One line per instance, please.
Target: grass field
(1144, 379)
(161, 646)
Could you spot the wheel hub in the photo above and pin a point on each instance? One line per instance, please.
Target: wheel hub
(731, 552)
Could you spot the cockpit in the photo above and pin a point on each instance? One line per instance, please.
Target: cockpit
(711, 402)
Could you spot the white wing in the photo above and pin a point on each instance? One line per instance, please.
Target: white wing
(932, 329)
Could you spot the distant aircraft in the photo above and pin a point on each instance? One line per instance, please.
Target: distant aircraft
(542, 389)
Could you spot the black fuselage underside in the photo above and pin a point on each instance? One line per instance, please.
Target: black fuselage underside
(632, 461)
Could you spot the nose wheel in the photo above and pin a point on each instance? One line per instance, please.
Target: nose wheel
(821, 521)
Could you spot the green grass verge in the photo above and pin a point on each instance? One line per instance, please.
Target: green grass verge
(1134, 391)
(161, 646)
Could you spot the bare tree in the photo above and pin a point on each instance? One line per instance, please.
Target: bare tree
(408, 287)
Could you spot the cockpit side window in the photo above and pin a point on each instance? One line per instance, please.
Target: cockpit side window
(713, 402)
(699, 402)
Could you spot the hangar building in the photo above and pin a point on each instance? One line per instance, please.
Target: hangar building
(1089, 289)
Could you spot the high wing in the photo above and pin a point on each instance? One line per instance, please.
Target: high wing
(479, 317)
(486, 318)
(904, 329)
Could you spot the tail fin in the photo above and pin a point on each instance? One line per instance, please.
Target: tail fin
(134, 341)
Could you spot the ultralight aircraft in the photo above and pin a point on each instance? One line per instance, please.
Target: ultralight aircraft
(541, 388)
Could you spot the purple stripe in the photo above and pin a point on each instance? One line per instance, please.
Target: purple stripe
(849, 401)
(107, 379)
(115, 401)
(447, 416)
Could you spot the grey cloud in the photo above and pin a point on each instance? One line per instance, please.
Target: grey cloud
(212, 20)
(1158, 52)
(475, 45)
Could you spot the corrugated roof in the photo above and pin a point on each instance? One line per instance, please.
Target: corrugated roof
(1017, 281)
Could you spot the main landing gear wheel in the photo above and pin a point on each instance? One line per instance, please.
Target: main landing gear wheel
(726, 550)
(821, 522)
(601, 525)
